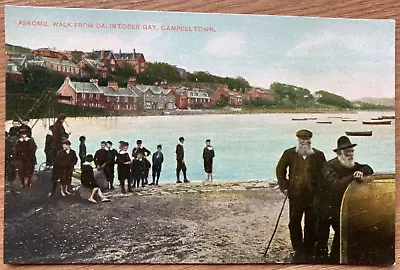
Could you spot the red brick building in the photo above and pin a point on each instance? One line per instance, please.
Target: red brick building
(186, 99)
(266, 94)
(68, 68)
(234, 97)
(49, 53)
(97, 67)
(90, 94)
(134, 59)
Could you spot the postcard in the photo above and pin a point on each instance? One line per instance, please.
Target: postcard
(152, 137)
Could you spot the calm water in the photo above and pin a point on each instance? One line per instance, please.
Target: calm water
(246, 146)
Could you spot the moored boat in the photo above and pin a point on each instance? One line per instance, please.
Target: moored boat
(367, 221)
(377, 118)
(338, 117)
(324, 122)
(388, 117)
(299, 119)
(379, 122)
(349, 120)
(358, 133)
(311, 118)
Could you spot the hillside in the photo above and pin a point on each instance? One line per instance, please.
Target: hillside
(16, 49)
(378, 101)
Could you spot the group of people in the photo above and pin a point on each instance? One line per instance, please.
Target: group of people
(315, 188)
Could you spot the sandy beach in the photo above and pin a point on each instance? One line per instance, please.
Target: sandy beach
(219, 222)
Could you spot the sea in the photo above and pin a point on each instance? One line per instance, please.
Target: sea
(247, 146)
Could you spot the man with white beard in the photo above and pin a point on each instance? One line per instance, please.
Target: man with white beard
(304, 164)
(338, 174)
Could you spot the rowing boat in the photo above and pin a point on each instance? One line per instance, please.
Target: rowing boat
(388, 117)
(349, 120)
(380, 122)
(299, 119)
(367, 221)
(324, 122)
(358, 133)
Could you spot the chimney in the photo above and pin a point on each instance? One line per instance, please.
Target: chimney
(102, 54)
(132, 82)
(134, 53)
(120, 52)
(113, 85)
(95, 81)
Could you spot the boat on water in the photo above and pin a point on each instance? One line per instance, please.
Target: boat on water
(377, 118)
(385, 117)
(299, 119)
(379, 122)
(311, 118)
(349, 120)
(367, 221)
(324, 122)
(358, 133)
(338, 117)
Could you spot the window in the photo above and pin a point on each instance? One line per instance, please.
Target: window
(118, 107)
(118, 100)
(68, 69)
(83, 96)
(126, 99)
(127, 106)
(97, 96)
(90, 95)
(112, 61)
(76, 70)
(108, 99)
(148, 105)
(142, 64)
(63, 68)
(58, 68)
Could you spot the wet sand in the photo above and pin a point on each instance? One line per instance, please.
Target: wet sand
(188, 223)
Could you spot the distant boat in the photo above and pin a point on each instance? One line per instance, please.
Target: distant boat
(388, 117)
(377, 118)
(358, 133)
(299, 119)
(324, 122)
(349, 120)
(380, 122)
(311, 118)
(339, 117)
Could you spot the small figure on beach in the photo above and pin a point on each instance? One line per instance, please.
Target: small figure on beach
(66, 160)
(124, 164)
(138, 170)
(58, 132)
(305, 167)
(82, 149)
(25, 125)
(180, 162)
(48, 149)
(88, 180)
(147, 168)
(208, 156)
(109, 170)
(157, 160)
(338, 174)
(25, 157)
(14, 130)
(140, 148)
(101, 156)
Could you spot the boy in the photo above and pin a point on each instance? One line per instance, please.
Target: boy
(14, 130)
(123, 162)
(25, 157)
(147, 166)
(101, 156)
(66, 160)
(140, 148)
(208, 155)
(158, 159)
(138, 170)
(47, 148)
(88, 180)
(82, 149)
(111, 160)
(180, 163)
(24, 125)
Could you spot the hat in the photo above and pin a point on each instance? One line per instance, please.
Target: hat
(304, 133)
(344, 143)
(61, 117)
(23, 131)
(138, 141)
(125, 144)
(181, 139)
(66, 142)
(121, 142)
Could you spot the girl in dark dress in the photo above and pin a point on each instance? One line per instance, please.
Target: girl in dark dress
(123, 162)
(88, 180)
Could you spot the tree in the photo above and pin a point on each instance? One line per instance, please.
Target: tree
(222, 102)
(333, 99)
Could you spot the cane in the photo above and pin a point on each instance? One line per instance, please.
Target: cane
(276, 226)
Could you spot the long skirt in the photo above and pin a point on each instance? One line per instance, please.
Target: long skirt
(66, 176)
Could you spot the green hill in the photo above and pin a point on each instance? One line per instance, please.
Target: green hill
(16, 49)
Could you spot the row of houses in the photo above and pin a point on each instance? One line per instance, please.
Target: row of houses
(99, 63)
(149, 97)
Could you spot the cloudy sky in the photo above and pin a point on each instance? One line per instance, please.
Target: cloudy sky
(353, 58)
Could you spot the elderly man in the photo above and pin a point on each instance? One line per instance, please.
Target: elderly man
(338, 174)
(304, 164)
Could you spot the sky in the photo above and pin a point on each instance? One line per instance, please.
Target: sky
(348, 57)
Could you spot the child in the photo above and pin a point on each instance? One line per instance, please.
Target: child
(208, 156)
(25, 157)
(147, 166)
(138, 170)
(88, 180)
(82, 149)
(123, 162)
(158, 159)
(66, 160)
(47, 148)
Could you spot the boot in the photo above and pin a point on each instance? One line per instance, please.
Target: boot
(185, 180)
(130, 188)
(123, 187)
(177, 178)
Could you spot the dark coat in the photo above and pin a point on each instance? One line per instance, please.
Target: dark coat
(28, 128)
(14, 131)
(112, 156)
(66, 162)
(157, 159)
(87, 177)
(303, 173)
(142, 150)
(180, 153)
(100, 157)
(47, 143)
(58, 131)
(24, 151)
(331, 188)
(138, 168)
(123, 169)
(208, 154)
(82, 151)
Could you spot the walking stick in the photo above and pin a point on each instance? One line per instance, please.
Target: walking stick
(276, 226)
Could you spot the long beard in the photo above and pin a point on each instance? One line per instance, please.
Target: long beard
(304, 150)
(346, 162)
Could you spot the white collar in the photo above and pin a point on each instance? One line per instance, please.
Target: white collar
(87, 163)
(22, 139)
(181, 143)
(68, 150)
(50, 133)
(109, 149)
(123, 152)
(209, 147)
